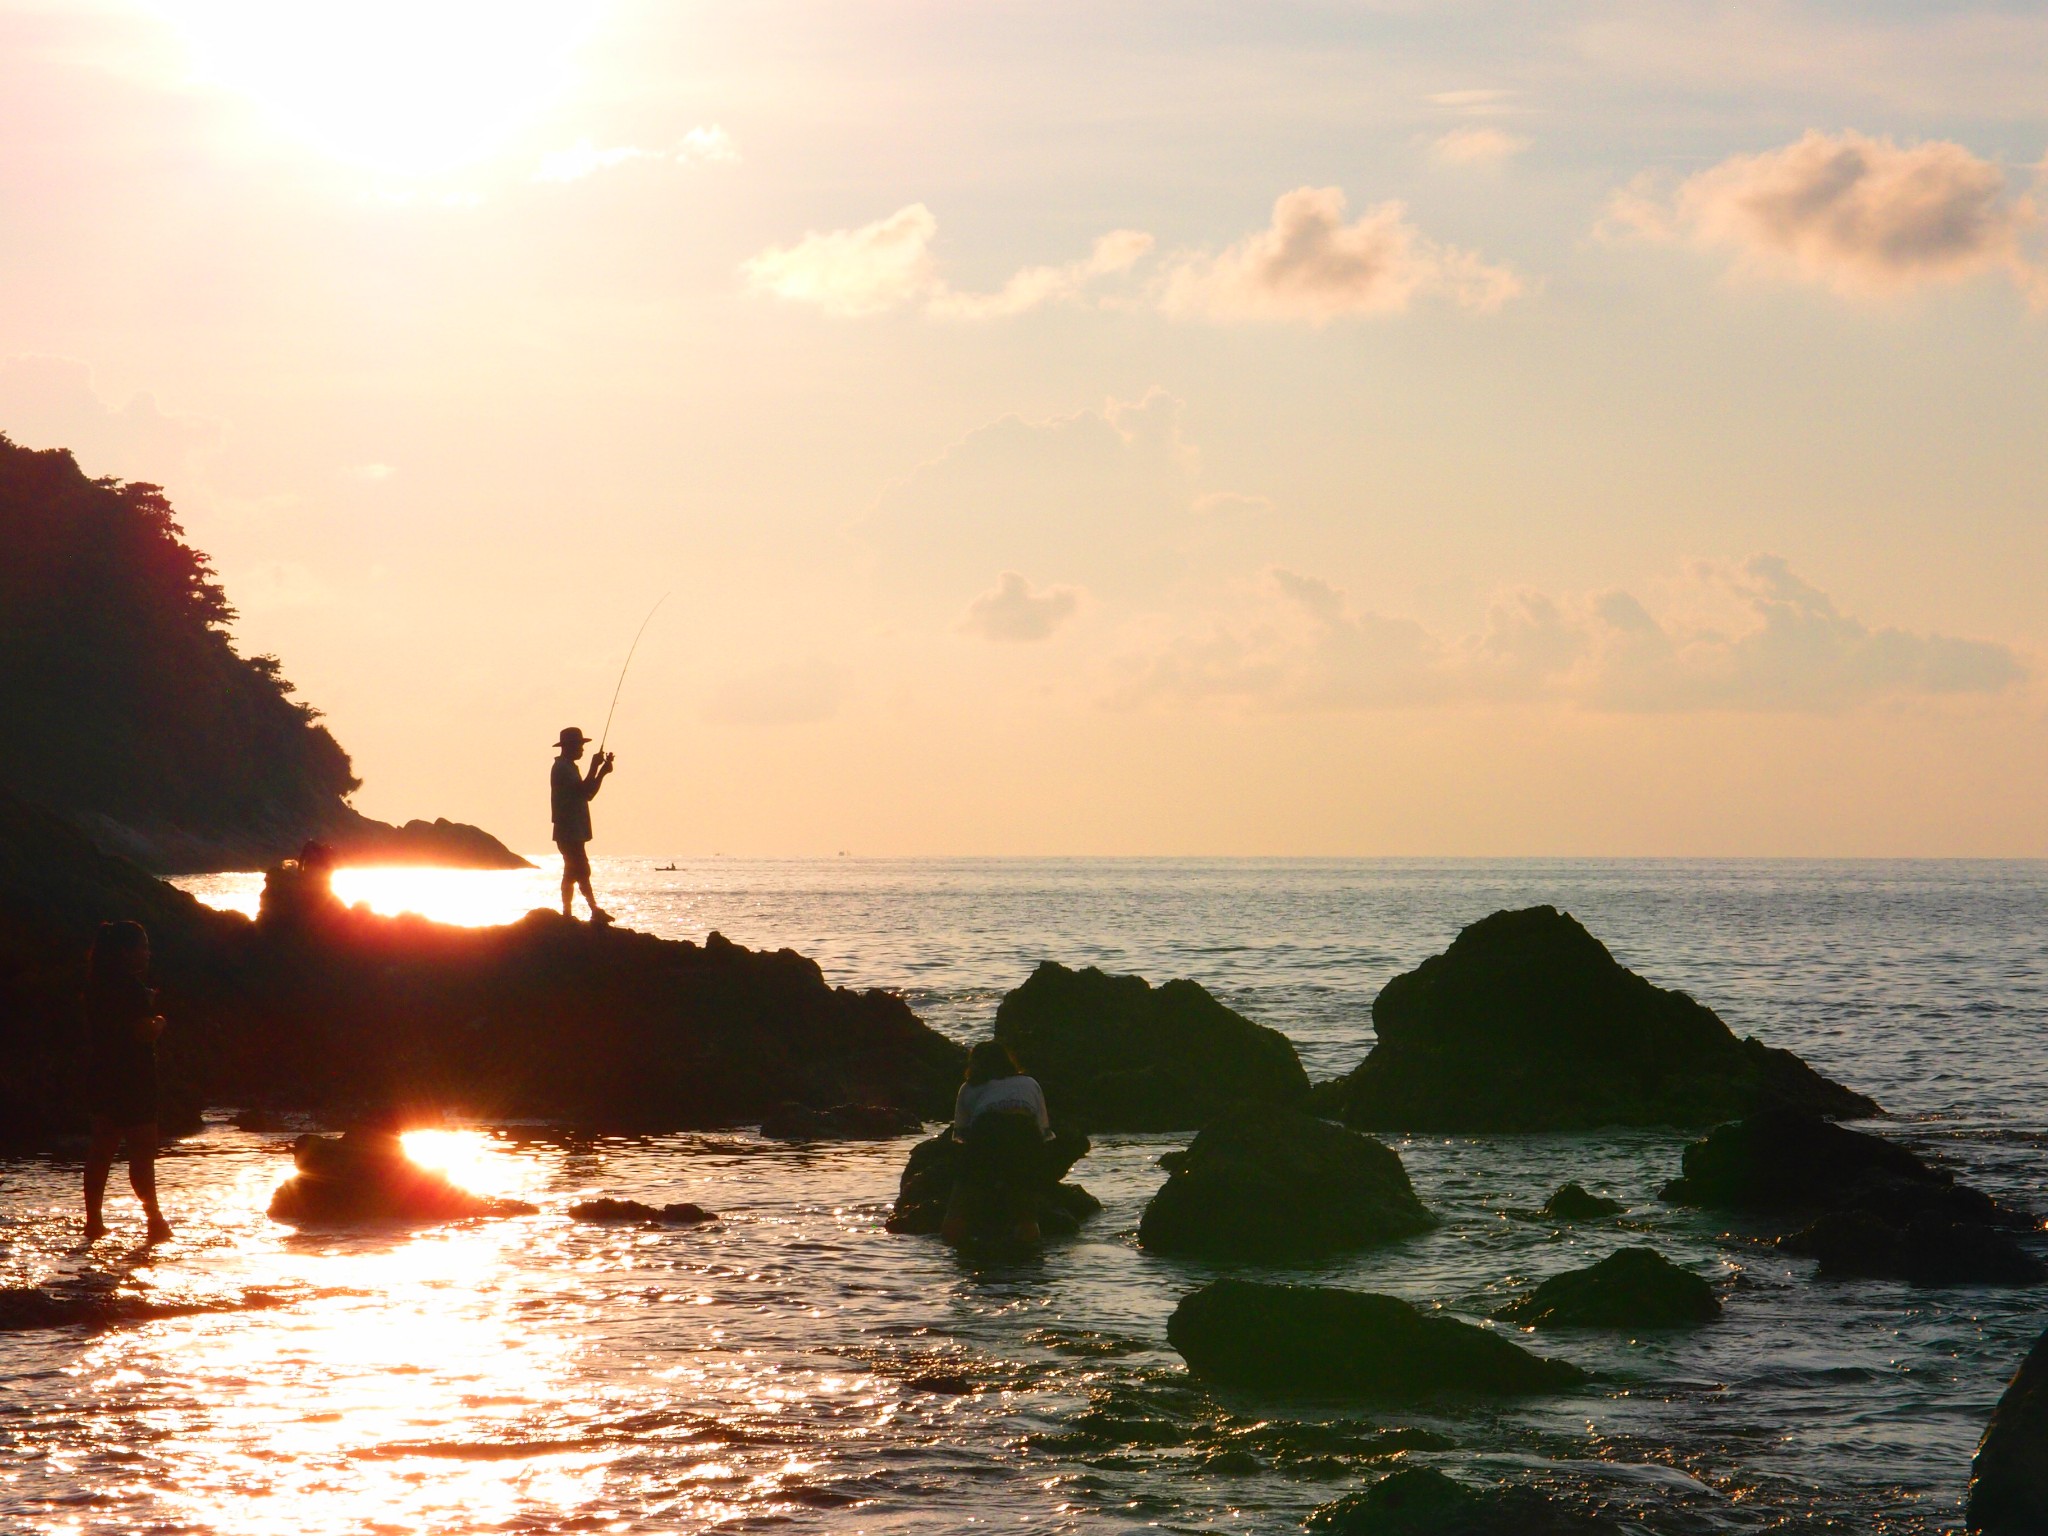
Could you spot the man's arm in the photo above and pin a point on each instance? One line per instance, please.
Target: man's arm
(598, 769)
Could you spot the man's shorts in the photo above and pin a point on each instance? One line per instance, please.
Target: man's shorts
(575, 861)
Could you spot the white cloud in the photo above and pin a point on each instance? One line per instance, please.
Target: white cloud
(1478, 146)
(788, 693)
(1753, 637)
(375, 472)
(712, 145)
(889, 265)
(1311, 266)
(1474, 103)
(53, 402)
(1012, 610)
(1863, 216)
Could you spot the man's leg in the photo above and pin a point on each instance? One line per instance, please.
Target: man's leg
(142, 1177)
(99, 1161)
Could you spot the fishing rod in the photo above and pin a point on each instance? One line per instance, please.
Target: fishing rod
(606, 736)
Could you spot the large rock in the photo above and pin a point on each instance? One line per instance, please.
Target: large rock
(1631, 1288)
(2009, 1478)
(1315, 1339)
(365, 1176)
(1276, 1185)
(1421, 1501)
(1115, 1053)
(1527, 1023)
(1574, 1202)
(926, 1187)
(1921, 1249)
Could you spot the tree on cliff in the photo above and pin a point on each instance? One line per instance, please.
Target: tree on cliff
(121, 689)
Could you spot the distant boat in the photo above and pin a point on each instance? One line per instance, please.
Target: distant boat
(664, 869)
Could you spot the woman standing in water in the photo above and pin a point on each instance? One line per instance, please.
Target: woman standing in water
(1000, 1121)
(121, 1029)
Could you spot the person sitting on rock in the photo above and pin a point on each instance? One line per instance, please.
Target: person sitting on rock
(571, 793)
(122, 1025)
(1000, 1121)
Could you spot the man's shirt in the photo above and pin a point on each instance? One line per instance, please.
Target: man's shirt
(571, 802)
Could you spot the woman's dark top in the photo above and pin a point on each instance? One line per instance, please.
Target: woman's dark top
(120, 1054)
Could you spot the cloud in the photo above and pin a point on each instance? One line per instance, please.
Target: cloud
(789, 693)
(1753, 637)
(375, 472)
(712, 145)
(1478, 146)
(1865, 217)
(53, 402)
(1474, 103)
(889, 265)
(1011, 610)
(1310, 266)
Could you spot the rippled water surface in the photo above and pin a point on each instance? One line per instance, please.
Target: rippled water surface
(795, 1367)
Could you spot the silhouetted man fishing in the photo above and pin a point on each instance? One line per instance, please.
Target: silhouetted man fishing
(571, 793)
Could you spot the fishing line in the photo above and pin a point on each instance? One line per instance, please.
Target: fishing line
(607, 734)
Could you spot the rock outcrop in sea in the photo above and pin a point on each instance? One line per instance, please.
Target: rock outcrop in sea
(1317, 1339)
(934, 1166)
(606, 1211)
(1574, 1202)
(365, 1177)
(1421, 1501)
(1632, 1288)
(2009, 1478)
(1278, 1185)
(1115, 1053)
(1527, 1023)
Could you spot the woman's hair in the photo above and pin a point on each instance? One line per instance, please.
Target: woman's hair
(116, 941)
(990, 1060)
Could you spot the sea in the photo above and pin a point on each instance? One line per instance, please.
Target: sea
(793, 1367)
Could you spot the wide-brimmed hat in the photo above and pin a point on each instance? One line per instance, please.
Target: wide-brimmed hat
(571, 735)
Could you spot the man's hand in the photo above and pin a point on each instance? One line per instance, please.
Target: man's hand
(605, 761)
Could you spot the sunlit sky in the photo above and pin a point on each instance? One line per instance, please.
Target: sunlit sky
(1320, 428)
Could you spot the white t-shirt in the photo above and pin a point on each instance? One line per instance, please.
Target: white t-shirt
(1005, 1093)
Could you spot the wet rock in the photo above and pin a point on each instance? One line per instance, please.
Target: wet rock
(926, 1187)
(842, 1122)
(1631, 1288)
(1527, 1023)
(1921, 1250)
(1420, 1501)
(262, 1121)
(1574, 1202)
(1275, 1185)
(2009, 1478)
(365, 1176)
(1115, 1053)
(626, 1212)
(26, 1308)
(1316, 1339)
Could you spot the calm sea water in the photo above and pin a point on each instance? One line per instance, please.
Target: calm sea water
(796, 1367)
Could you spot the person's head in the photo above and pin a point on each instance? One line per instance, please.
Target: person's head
(990, 1060)
(120, 949)
(571, 741)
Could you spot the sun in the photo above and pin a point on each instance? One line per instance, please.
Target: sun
(410, 88)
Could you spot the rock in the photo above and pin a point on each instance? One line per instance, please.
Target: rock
(261, 1121)
(1115, 1053)
(2009, 1478)
(842, 1122)
(1421, 1501)
(1527, 1023)
(682, 1214)
(1921, 1250)
(365, 1176)
(1574, 1202)
(26, 1308)
(1273, 1184)
(1315, 1339)
(1631, 1288)
(926, 1187)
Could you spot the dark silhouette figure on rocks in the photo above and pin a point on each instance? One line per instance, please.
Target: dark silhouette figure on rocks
(122, 1026)
(1000, 1121)
(571, 793)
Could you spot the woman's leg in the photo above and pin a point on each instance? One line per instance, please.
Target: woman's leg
(99, 1161)
(142, 1177)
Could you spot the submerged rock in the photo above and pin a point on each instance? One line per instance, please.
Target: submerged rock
(681, 1214)
(29, 1307)
(1115, 1053)
(1855, 1244)
(365, 1176)
(1630, 1288)
(1316, 1339)
(1527, 1023)
(1421, 1501)
(2009, 1478)
(1274, 1184)
(842, 1122)
(934, 1166)
(1574, 1202)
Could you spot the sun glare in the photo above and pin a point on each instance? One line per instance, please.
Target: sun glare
(408, 88)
